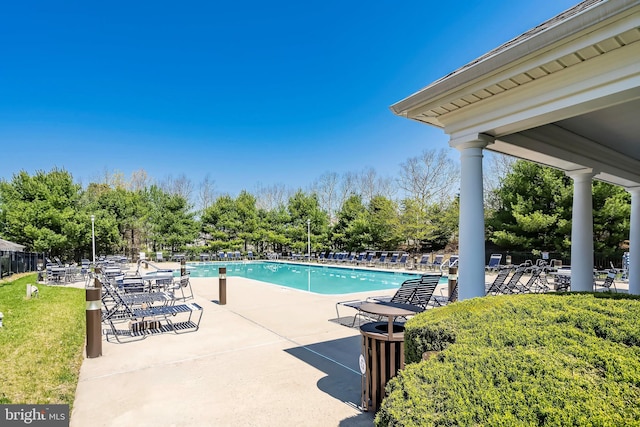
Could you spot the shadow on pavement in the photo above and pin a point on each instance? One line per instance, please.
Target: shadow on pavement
(338, 359)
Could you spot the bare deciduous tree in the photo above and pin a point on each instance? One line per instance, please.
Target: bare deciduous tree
(429, 178)
(181, 186)
(206, 193)
(139, 180)
(272, 197)
(326, 187)
(113, 179)
(348, 187)
(370, 184)
(333, 190)
(497, 166)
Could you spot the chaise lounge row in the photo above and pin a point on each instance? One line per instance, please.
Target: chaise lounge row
(368, 259)
(135, 306)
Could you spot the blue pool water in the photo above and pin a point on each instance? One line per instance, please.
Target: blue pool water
(312, 278)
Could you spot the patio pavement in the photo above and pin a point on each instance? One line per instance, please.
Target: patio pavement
(270, 356)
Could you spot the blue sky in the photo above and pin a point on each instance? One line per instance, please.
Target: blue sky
(250, 93)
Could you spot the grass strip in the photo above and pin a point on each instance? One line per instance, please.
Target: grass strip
(41, 343)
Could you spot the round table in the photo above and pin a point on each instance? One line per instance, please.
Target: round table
(390, 310)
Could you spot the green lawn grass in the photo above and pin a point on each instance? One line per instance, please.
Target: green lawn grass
(41, 343)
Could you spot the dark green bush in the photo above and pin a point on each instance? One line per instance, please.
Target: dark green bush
(525, 360)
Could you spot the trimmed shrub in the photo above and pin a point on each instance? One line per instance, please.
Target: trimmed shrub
(529, 360)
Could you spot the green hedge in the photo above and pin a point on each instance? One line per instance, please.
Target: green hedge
(523, 360)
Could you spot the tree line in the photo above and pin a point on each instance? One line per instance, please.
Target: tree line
(528, 208)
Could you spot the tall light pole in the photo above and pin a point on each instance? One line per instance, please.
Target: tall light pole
(309, 240)
(93, 237)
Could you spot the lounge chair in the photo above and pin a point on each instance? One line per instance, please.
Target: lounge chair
(496, 286)
(138, 315)
(370, 259)
(402, 262)
(382, 260)
(393, 260)
(182, 284)
(437, 262)
(415, 292)
(608, 281)
(426, 288)
(85, 267)
(513, 286)
(537, 282)
(142, 322)
(110, 271)
(451, 262)
(132, 284)
(422, 297)
(358, 259)
(402, 295)
(250, 255)
(494, 262)
(159, 257)
(178, 257)
(56, 273)
(423, 263)
(441, 300)
(118, 305)
(562, 280)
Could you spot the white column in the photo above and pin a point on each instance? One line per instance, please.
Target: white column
(471, 263)
(634, 242)
(582, 231)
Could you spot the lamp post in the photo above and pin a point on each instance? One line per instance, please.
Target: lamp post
(93, 238)
(309, 240)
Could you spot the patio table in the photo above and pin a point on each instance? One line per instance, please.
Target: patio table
(159, 279)
(390, 310)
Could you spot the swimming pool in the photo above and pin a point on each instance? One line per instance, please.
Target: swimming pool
(319, 279)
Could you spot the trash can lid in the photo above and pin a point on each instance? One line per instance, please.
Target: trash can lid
(382, 328)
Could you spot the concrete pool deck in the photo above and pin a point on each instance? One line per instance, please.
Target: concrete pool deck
(270, 356)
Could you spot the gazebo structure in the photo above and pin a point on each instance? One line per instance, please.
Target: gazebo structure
(7, 246)
(13, 258)
(565, 94)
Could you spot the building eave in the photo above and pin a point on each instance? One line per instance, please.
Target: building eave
(564, 27)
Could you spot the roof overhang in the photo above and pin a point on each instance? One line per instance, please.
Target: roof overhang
(565, 94)
(8, 246)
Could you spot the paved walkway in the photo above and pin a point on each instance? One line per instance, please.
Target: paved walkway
(270, 356)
